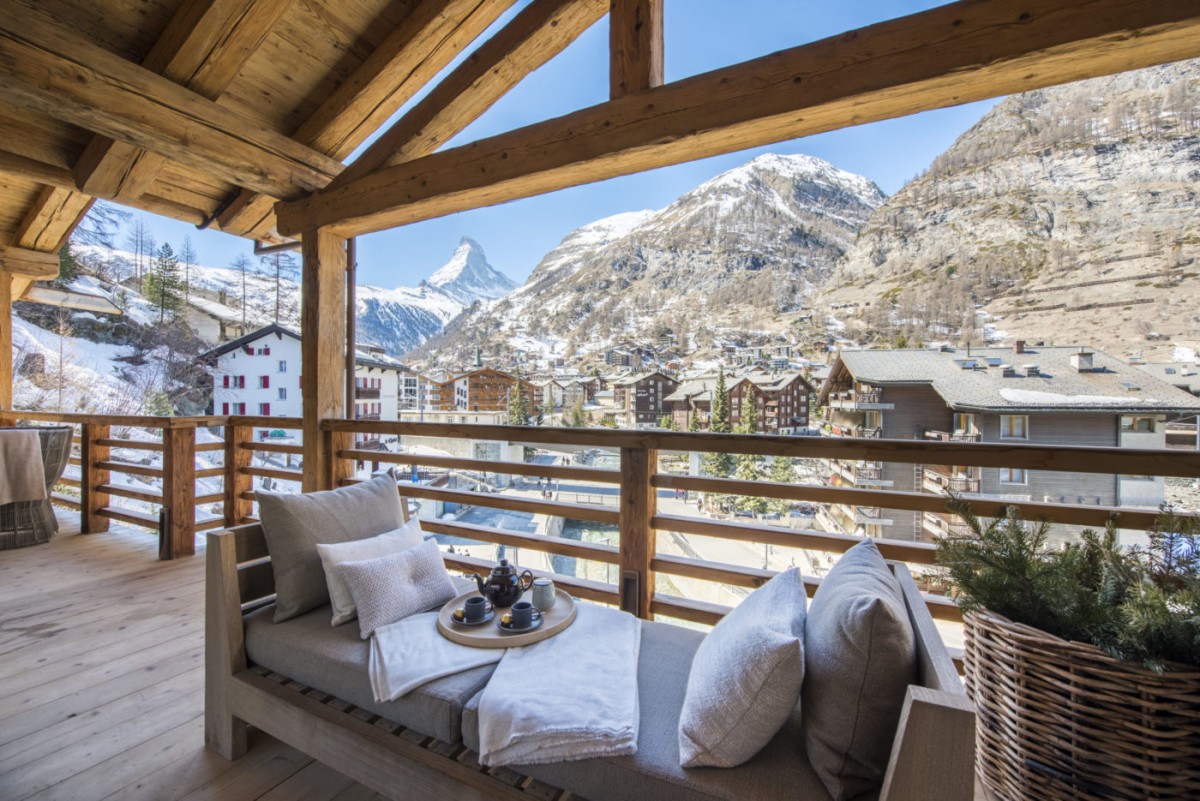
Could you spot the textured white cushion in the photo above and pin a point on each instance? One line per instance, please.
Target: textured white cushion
(860, 657)
(332, 554)
(746, 677)
(294, 524)
(388, 588)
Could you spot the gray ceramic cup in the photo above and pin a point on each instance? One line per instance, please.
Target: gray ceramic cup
(543, 593)
(523, 614)
(475, 608)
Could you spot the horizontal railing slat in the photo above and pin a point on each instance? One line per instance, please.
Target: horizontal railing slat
(130, 469)
(581, 588)
(569, 511)
(273, 447)
(484, 466)
(129, 516)
(132, 444)
(557, 545)
(65, 500)
(122, 491)
(279, 473)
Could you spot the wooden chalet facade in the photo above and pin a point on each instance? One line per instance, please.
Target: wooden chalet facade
(639, 399)
(484, 390)
(782, 402)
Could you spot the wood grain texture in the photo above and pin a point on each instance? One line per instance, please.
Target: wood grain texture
(237, 482)
(179, 491)
(639, 545)
(55, 72)
(28, 263)
(51, 219)
(322, 367)
(946, 56)
(635, 46)
(224, 647)
(6, 340)
(94, 450)
(539, 32)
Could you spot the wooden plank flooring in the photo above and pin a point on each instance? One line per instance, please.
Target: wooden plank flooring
(101, 682)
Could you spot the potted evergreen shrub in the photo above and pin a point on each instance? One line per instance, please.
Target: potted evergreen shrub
(1083, 661)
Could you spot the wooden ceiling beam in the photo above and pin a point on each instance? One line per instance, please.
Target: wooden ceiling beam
(26, 263)
(51, 219)
(52, 71)
(540, 32)
(410, 57)
(635, 46)
(204, 47)
(952, 54)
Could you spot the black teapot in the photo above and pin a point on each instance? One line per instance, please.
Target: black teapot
(504, 586)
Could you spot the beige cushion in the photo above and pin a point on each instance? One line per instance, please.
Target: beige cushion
(333, 554)
(392, 587)
(860, 657)
(745, 680)
(294, 524)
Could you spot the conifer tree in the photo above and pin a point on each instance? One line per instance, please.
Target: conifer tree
(518, 406)
(782, 472)
(187, 254)
(694, 422)
(719, 465)
(748, 466)
(576, 419)
(163, 286)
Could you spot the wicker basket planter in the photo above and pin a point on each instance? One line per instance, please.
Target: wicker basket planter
(1063, 720)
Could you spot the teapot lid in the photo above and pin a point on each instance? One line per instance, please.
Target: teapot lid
(503, 567)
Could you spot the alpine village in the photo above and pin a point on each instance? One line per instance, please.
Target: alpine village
(594, 400)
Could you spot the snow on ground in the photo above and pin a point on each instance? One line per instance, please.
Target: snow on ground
(93, 379)
(1183, 354)
(1035, 398)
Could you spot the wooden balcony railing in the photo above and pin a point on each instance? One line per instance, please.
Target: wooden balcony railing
(232, 459)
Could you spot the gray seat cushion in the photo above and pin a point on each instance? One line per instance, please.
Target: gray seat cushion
(334, 661)
(779, 771)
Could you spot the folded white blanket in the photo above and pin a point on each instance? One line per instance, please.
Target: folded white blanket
(573, 696)
(411, 652)
(22, 477)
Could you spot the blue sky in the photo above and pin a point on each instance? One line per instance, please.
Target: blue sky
(701, 35)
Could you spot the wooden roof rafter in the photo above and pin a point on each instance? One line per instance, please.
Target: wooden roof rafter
(965, 51)
(408, 58)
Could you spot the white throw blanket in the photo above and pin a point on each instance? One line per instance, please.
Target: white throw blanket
(22, 476)
(572, 696)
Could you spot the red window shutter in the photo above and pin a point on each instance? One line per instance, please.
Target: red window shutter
(266, 382)
(226, 382)
(267, 350)
(266, 407)
(225, 409)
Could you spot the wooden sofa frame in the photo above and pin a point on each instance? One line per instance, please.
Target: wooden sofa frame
(932, 754)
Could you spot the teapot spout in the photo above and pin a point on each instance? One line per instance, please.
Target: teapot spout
(480, 584)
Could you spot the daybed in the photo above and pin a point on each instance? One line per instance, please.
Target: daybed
(305, 683)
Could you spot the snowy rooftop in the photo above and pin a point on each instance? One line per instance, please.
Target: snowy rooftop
(978, 381)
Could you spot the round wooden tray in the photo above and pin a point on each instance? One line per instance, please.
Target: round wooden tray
(561, 615)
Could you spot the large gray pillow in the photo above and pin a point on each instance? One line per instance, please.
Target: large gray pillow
(294, 524)
(860, 657)
(390, 588)
(746, 677)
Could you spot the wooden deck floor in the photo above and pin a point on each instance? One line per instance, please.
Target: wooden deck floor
(101, 683)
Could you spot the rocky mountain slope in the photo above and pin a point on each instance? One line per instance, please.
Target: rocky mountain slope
(733, 253)
(1066, 214)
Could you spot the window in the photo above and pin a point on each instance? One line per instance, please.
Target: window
(1014, 426)
(283, 393)
(1137, 424)
(1012, 475)
(264, 409)
(964, 424)
(282, 366)
(264, 382)
(226, 382)
(239, 408)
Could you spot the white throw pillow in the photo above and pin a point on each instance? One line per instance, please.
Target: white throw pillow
(333, 554)
(395, 586)
(746, 677)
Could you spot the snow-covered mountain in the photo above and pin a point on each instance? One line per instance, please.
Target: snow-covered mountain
(468, 277)
(748, 242)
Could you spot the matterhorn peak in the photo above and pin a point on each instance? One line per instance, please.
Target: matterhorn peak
(468, 276)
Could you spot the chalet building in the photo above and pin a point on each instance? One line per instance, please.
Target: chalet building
(616, 357)
(1184, 433)
(1043, 395)
(483, 390)
(691, 399)
(259, 375)
(782, 402)
(548, 395)
(639, 399)
(412, 392)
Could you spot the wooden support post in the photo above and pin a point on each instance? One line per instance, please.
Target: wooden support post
(179, 492)
(322, 350)
(237, 482)
(338, 468)
(92, 476)
(6, 329)
(224, 648)
(638, 539)
(635, 46)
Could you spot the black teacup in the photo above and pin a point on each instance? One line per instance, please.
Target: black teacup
(523, 614)
(475, 608)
